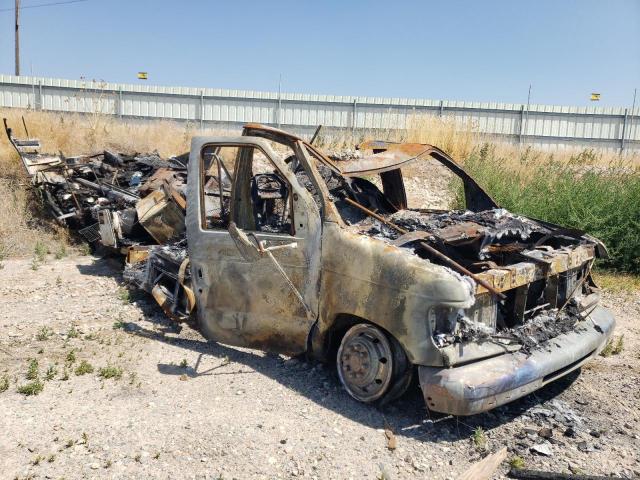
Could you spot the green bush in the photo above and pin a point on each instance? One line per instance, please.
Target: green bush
(603, 201)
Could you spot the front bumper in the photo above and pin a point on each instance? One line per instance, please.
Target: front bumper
(486, 384)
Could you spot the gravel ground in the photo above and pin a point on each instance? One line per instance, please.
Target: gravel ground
(186, 408)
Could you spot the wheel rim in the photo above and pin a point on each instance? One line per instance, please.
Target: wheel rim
(365, 363)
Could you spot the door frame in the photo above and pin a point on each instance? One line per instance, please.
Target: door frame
(242, 325)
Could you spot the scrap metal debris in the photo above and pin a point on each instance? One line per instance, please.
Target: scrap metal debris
(524, 474)
(134, 203)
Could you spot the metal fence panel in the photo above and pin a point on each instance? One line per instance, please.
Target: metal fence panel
(545, 126)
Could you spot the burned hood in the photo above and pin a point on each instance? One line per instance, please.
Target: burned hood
(494, 234)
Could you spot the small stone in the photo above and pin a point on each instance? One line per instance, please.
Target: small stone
(584, 447)
(545, 432)
(94, 466)
(594, 433)
(283, 441)
(542, 449)
(570, 432)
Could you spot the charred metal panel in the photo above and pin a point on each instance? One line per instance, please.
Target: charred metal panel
(393, 188)
(388, 286)
(248, 303)
(516, 275)
(400, 155)
(160, 216)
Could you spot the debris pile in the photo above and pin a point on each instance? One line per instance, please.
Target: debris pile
(134, 204)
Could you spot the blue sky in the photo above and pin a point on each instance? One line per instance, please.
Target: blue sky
(459, 50)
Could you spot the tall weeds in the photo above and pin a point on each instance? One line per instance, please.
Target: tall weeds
(582, 192)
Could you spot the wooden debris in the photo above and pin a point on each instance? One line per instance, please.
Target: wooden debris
(485, 468)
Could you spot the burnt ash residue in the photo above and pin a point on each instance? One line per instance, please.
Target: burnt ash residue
(495, 234)
(547, 325)
(497, 223)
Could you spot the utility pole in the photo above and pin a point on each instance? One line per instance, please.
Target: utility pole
(17, 37)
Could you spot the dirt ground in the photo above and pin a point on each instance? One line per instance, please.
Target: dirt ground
(187, 408)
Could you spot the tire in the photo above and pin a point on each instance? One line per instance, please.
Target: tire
(371, 365)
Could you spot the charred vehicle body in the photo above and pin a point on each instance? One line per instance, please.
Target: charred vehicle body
(292, 251)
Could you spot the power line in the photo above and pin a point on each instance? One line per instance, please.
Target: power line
(51, 4)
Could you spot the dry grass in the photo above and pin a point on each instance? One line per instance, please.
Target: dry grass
(462, 139)
(458, 139)
(613, 282)
(74, 134)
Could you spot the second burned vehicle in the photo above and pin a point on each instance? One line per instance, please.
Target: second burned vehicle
(292, 251)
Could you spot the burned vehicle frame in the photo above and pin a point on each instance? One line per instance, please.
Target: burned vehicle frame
(489, 306)
(303, 253)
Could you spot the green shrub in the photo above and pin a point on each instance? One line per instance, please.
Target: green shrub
(479, 438)
(32, 370)
(51, 373)
(44, 333)
(110, 372)
(84, 368)
(603, 201)
(33, 388)
(516, 462)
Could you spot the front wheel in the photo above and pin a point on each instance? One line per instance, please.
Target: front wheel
(371, 365)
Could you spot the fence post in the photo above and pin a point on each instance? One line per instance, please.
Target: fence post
(201, 108)
(441, 108)
(353, 119)
(279, 110)
(120, 104)
(522, 124)
(40, 100)
(624, 129)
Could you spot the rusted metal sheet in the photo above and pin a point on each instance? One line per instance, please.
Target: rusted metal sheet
(393, 156)
(557, 261)
(137, 253)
